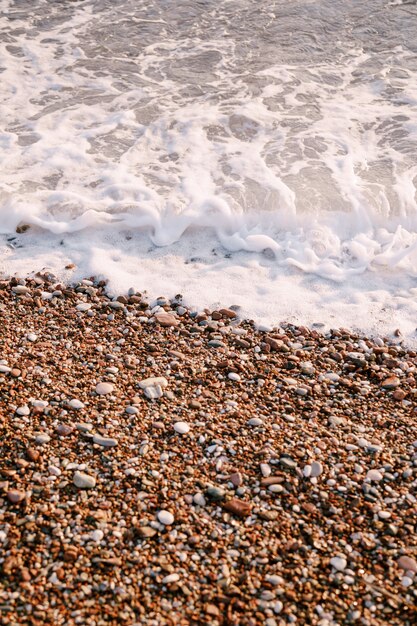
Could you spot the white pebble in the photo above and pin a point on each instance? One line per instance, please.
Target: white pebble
(23, 410)
(97, 535)
(84, 481)
(104, 388)
(165, 517)
(374, 475)
(106, 442)
(181, 427)
(233, 376)
(32, 337)
(76, 404)
(153, 392)
(265, 470)
(255, 421)
(406, 581)
(278, 606)
(171, 578)
(316, 469)
(83, 306)
(20, 289)
(339, 563)
(199, 499)
(42, 438)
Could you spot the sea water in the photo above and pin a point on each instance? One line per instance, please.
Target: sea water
(255, 153)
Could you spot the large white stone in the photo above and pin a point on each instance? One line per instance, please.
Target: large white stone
(165, 517)
(84, 481)
(181, 427)
(104, 388)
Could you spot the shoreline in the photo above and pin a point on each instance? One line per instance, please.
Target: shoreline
(165, 467)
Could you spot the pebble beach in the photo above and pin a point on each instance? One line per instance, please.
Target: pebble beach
(168, 466)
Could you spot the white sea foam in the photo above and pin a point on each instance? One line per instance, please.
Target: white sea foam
(275, 146)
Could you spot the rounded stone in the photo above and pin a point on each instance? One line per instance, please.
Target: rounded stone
(165, 517)
(255, 421)
(407, 563)
(76, 404)
(103, 389)
(23, 410)
(181, 428)
(14, 496)
(374, 475)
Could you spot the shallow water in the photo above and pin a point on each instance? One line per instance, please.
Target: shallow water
(264, 153)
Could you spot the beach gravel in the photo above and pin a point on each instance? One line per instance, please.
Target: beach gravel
(161, 465)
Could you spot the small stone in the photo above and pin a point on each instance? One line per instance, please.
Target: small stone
(274, 579)
(268, 515)
(20, 289)
(392, 382)
(97, 535)
(42, 438)
(76, 404)
(255, 421)
(374, 475)
(23, 410)
(171, 578)
(278, 606)
(384, 514)
(166, 319)
(215, 493)
(276, 488)
(407, 563)
(233, 376)
(146, 532)
(84, 481)
(265, 470)
(339, 563)
(316, 469)
(103, 389)
(229, 313)
(399, 394)
(199, 499)
(240, 508)
(5, 369)
(288, 462)
(83, 306)
(154, 392)
(272, 480)
(181, 427)
(15, 496)
(236, 479)
(64, 430)
(132, 410)
(32, 337)
(212, 609)
(84, 427)
(32, 454)
(116, 305)
(165, 517)
(106, 442)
